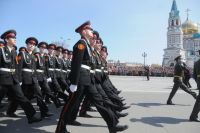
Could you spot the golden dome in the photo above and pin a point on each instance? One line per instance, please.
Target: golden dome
(189, 27)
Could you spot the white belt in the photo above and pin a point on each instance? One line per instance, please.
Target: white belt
(64, 71)
(41, 71)
(98, 70)
(102, 67)
(92, 71)
(105, 71)
(68, 70)
(58, 69)
(86, 67)
(51, 69)
(7, 70)
(27, 70)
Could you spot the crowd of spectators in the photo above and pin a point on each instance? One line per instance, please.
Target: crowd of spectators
(140, 71)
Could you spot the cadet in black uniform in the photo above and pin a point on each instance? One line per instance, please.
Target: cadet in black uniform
(107, 85)
(178, 81)
(187, 76)
(196, 108)
(2, 90)
(66, 65)
(96, 48)
(59, 64)
(52, 79)
(82, 83)
(42, 74)
(9, 79)
(28, 76)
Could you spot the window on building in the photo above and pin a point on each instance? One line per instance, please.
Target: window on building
(172, 23)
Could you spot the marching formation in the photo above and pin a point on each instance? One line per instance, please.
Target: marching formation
(75, 79)
(67, 78)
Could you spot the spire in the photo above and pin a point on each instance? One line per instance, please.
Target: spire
(174, 6)
(187, 11)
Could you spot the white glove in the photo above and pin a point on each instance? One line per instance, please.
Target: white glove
(73, 88)
(49, 80)
(20, 83)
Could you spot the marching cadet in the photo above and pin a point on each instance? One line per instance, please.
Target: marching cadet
(2, 90)
(41, 72)
(28, 77)
(107, 85)
(187, 76)
(82, 83)
(96, 48)
(66, 65)
(59, 64)
(52, 80)
(178, 81)
(104, 54)
(196, 108)
(9, 79)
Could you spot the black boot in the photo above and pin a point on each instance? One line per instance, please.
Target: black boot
(170, 103)
(85, 115)
(194, 119)
(121, 114)
(118, 128)
(34, 119)
(12, 115)
(74, 123)
(46, 114)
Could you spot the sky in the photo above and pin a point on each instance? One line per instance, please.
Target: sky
(128, 27)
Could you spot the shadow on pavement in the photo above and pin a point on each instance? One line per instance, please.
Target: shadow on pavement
(158, 121)
(148, 105)
(92, 125)
(21, 126)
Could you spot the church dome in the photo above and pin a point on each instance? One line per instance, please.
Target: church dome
(189, 27)
(196, 35)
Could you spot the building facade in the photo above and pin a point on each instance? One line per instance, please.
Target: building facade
(182, 39)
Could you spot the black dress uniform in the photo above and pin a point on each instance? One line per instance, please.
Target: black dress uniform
(98, 81)
(50, 66)
(109, 88)
(59, 64)
(9, 80)
(196, 108)
(80, 75)
(28, 77)
(2, 90)
(187, 76)
(42, 78)
(66, 67)
(178, 82)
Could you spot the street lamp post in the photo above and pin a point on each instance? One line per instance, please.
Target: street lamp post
(144, 55)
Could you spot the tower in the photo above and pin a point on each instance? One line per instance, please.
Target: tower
(174, 38)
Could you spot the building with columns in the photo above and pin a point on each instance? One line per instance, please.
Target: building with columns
(182, 39)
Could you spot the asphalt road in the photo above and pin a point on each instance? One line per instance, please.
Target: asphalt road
(148, 113)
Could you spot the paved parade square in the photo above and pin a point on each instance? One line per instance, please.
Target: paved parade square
(148, 113)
